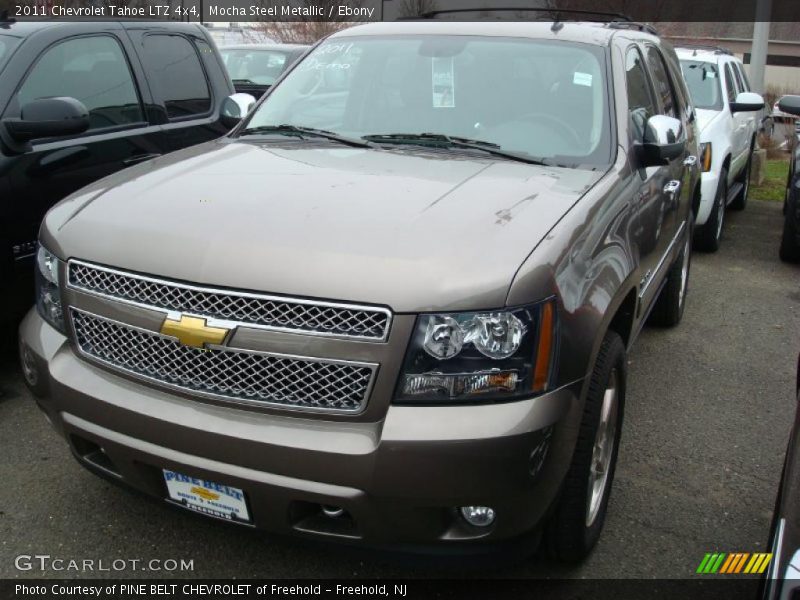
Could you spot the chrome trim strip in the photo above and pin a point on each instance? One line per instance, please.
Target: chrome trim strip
(660, 264)
(774, 568)
(229, 323)
(221, 397)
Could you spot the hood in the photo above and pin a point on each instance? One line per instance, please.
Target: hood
(705, 116)
(412, 229)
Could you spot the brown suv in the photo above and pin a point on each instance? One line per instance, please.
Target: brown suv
(393, 305)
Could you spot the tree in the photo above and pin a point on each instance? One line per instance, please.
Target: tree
(304, 29)
(414, 8)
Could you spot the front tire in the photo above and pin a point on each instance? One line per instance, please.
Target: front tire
(708, 235)
(668, 310)
(578, 519)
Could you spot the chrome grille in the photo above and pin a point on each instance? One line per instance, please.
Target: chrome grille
(256, 310)
(231, 374)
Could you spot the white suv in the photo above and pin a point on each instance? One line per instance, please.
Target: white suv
(727, 117)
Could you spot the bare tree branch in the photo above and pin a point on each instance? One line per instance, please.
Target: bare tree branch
(304, 29)
(414, 8)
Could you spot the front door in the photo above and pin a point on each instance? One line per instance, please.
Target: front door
(94, 68)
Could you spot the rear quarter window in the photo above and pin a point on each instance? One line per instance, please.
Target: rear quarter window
(176, 75)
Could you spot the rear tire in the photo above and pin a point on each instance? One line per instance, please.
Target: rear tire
(740, 202)
(708, 236)
(575, 526)
(668, 310)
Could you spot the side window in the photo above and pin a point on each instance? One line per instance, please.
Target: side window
(662, 83)
(93, 70)
(640, 99)
(730, 86)
(176, 75)
(745, 80)
(738, 75)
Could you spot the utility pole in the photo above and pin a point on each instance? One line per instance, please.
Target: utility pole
(758, 54)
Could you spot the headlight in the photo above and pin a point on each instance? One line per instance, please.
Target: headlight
(492, 355)
(705, 156)
(48, 295)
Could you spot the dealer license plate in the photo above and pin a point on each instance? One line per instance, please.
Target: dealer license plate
(207, 497)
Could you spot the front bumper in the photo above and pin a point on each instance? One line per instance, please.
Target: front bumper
(399, 479)
(709, 182)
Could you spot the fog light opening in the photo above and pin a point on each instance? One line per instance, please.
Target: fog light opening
(478, 516)
(334, 512)
(29, 368)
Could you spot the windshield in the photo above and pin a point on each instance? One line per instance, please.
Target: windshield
(702, 78)
(254, 66)
(539, 99)
(7, 43)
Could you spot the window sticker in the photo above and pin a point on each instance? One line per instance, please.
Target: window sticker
(443, 82)
(584, 79)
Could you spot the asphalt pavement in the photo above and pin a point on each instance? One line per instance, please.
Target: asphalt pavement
(709, 408)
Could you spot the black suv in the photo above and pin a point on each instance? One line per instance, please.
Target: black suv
(79, 101)
(790, 241)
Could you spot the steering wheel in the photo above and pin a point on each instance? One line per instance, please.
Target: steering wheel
(554, 123)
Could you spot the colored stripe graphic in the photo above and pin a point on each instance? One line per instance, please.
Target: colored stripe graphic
(703, 563)
(730, 564)
(740, 565)
(715, 566)
(727, 564)
(734, 563)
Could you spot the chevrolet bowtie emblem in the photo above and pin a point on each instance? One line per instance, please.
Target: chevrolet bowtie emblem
(193, 331)
(204, 493)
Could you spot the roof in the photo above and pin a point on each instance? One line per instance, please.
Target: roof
(25, 28)
(272, 47)
(703, 54)
(572, 31)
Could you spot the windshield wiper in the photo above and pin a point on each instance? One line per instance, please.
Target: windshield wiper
(451, 141)
(303, 132)
(243, 81)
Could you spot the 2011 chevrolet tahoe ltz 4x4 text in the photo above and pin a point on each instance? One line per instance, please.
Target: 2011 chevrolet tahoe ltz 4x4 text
(394, 304)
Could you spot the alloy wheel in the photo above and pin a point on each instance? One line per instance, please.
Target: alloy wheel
(603, 449)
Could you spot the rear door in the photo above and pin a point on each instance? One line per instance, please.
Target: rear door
(182, 71)
(670, 103)
(740, 139)
(90, 62)
(654, 209)
(753, 118)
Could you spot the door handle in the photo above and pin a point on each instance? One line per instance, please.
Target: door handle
(139, 158)
(690, 161)
(672, 187)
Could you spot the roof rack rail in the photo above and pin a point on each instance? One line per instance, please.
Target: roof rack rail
(555, 12)
(644, 27)
(714, 49)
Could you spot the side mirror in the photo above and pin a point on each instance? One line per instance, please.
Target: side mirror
(663, 141)
(747, 101)
(48, 117)
(235, 107)
(790, 104)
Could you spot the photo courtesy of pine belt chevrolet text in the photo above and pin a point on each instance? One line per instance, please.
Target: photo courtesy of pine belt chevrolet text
(393, 305)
